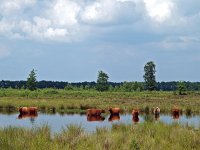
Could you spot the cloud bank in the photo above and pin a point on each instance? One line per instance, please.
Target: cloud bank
(76, 20)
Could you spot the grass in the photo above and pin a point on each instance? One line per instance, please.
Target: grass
(141, 136)
(120, 137)
(79, 101)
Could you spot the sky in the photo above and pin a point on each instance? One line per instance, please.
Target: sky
(71, 40)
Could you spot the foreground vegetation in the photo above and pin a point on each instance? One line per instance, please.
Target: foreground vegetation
(120, 137)
(79, 101)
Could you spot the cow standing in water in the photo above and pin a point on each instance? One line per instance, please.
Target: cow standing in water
(156, 112)
(114, 114)
(175, 112)
(95, 112)
(27, 112)
(114, 111)
(135, 114)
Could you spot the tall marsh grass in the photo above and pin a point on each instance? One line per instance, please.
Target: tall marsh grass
(120, 137)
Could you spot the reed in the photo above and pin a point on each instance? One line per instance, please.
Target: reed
(73, 137)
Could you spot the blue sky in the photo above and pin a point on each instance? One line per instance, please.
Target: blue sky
(71, 40)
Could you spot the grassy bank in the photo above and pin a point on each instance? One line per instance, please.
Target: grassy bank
(79, 101)
(119, 137)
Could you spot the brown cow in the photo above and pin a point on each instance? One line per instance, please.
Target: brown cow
(175, 112)
(114, 118)
(135, 114)
(95, 118)
(28, 110)
(114, 111)
(156, 112)
(94, 112)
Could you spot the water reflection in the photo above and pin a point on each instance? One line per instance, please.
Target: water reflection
(176, 116)
(28, 116)
(135, 114)
(90, 123)
(114, 118)
(175, 112)
(95, 118)
(157, 116)
(135, 119)
(23, 116)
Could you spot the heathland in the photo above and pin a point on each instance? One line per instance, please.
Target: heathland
(80, 100)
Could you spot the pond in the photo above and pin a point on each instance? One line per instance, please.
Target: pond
(57, 121)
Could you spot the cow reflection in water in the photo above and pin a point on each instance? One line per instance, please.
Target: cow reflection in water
(114, 114)
(23, 116)
(176, 112)
(114, 118)
(95, 118)
(135, 114)
(157, 116)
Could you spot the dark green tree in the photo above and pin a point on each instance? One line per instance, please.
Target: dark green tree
(32, 81)
(102, 81)
(181, 86)
(149, 76)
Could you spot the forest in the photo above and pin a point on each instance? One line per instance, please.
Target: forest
(115, 86)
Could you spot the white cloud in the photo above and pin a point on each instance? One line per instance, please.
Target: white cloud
(63, 12)
(110, 12)
(41, 28)
(52, 33)
(57, 22)
(99, 12)
(68, 20)
(5, 27)
(159, 10)
(12, 6)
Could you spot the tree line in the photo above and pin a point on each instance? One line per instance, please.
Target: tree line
(102, 83)
(112, 86)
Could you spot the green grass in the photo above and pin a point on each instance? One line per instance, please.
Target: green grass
(79, 101)
(120, 137)
(128, 137)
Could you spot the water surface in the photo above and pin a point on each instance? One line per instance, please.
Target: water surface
(56, 121)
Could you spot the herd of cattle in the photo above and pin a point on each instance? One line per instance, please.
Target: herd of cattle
(94, 114)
